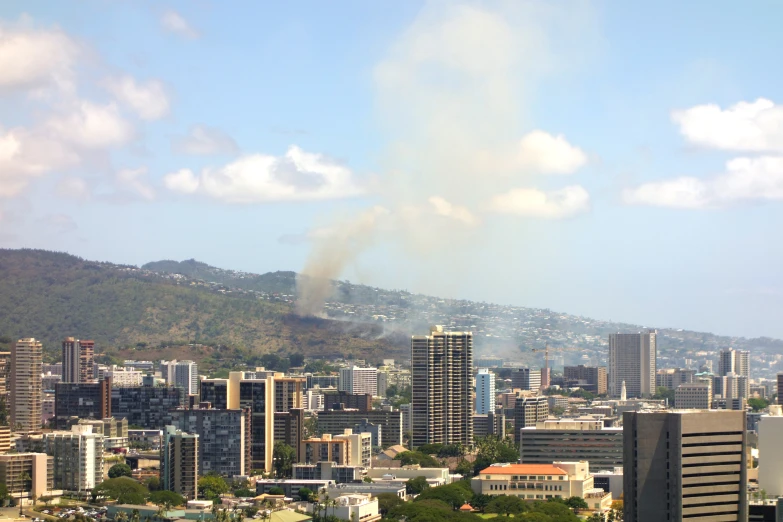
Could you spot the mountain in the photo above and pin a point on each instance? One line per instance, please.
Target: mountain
(132, 312)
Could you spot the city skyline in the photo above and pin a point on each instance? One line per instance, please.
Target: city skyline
(140, 129)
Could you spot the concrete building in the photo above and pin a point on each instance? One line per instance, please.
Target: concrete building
(26, 390)
(340, 473)
(528, 411)
(223, 438)
(5, 367)
(485, 391)
(77, 458)
(407, 418)
(526, 379)
(114, 431)
(670, 378)
(770, 431)
(146, 406)
(83, 400)
(359, 380)
(489, 424)
(442, 383)
(734, 361)
(694, 396)
(16, 467)
(632, 361)
(335, 421)
(314, 400)
(348, 449)
(340, 400)
(559, 439)
(291, 487)
(121, 377)
(537, 481)
(589, 378)
(183, 374)
(375, 431)
(610, 481)
(780, 387)
(434, 476)
(179, 458)
(78, 358)
(321, 381)
(685, 465)
(354, 507)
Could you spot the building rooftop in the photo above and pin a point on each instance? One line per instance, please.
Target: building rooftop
(524, 469)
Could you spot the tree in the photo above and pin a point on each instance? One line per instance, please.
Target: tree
(506, 505)
(387, 502)
(451, 450)
(212, 486)
(243, 493)
(616, 512)
(153, 483)
(416, 485)
(408, 458)
(464, 468)
(455, 494)
(305, 494)
(576, 503)
(296, 359)
(124, 490)
(166, 499)
(661, 393)
(757, 403)
(283, 458)
(491, 450)
(277, 490)
(120, 470)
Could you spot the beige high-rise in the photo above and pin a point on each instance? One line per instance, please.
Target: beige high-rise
(5, 366)
(25, 379)
(442, 386)
(632, 361)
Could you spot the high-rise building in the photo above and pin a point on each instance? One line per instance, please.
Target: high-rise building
(179, 462)
(77, 457)
(672, 377)
(442, 378)
(558, 439)
(694, 395)
(780, 388)
(146, 406)
(736, 362)
(632, 360)
(348, 448)
(335, 400)
(526, 379)
(684, 465)
(223, 439)
(26, 390)
(359, 380)
(183, 374)
(590, 378)
(528, 411)
(489, 424)
(5, 366)
(82, 400)
(78, 356)
(27, 475)
(335, 421)
(485, 391)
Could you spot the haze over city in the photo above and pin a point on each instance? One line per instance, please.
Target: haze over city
(616, 160)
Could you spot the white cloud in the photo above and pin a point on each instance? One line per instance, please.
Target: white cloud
(174, 22)
(204, 141)
(136, 181)
(543, 153)
(441, 207)
(256, 178)
(148, 100)
(745, 180)
(36, 58)
(557, 204)
(746, 126)
(92, 126)
(74, 188)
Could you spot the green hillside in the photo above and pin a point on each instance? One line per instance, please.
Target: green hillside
(133, 312)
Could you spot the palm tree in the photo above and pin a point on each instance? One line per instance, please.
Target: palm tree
(135, 516)
(23, 478)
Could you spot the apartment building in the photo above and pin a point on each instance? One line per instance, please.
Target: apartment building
(26, 390)
(359, 380)
(82, 400)
(335, 421)
(77, 458)
(526, 379)
(695, 396)
(528, 411)
(27, 475)
(179, 458)
(146, 406)
(349, 449)
(485, 392)
(78, 356)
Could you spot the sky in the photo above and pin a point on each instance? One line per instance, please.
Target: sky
(618, 160)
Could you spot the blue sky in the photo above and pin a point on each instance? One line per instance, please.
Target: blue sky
(618, 160)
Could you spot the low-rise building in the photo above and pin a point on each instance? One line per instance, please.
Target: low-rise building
(327, 470)
(354, 449)
(358, 507)
(16, 467)
(434, 476)
(291, 487)
(693, 396)
(374, 488)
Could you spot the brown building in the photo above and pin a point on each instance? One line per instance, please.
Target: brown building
(78, 356)
(289, 429)
(85, 400)
(179, 462)
(17, 467)
(26, 389)
(590, 378)
(527, 412)
(341, 400)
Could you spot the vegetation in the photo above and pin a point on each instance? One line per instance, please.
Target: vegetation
(277, 490)
(408, 458)
(758, 403)
(491, 450)
(120, 470)
(416, 485)
(506, 505)
(211, 486)
(283, 458)
(455, 494)
(661, 393)
(124, 490)
(167, 499)
(305, 494)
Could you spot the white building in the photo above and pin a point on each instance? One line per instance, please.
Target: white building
(485, 392)
(77, 458)
(735, 362)
(693, 396)
(314, 400)
(183, 374)
(359, 380)
(770, 455)
(360, 507)
(121, 377)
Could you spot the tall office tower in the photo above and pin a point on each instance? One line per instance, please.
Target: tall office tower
(527, 412)
(442, 378)
(179, 462)
(526, 379)
(77, 456)
(78, 357)
(738, 362)
(684, 465)
(485, 391)
(591, 378)
(81, 400)
(359, 380)
(5, 366)
(632, 359)
(26, 391)
(183, 374)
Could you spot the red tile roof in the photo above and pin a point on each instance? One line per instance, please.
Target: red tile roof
(524, 469)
